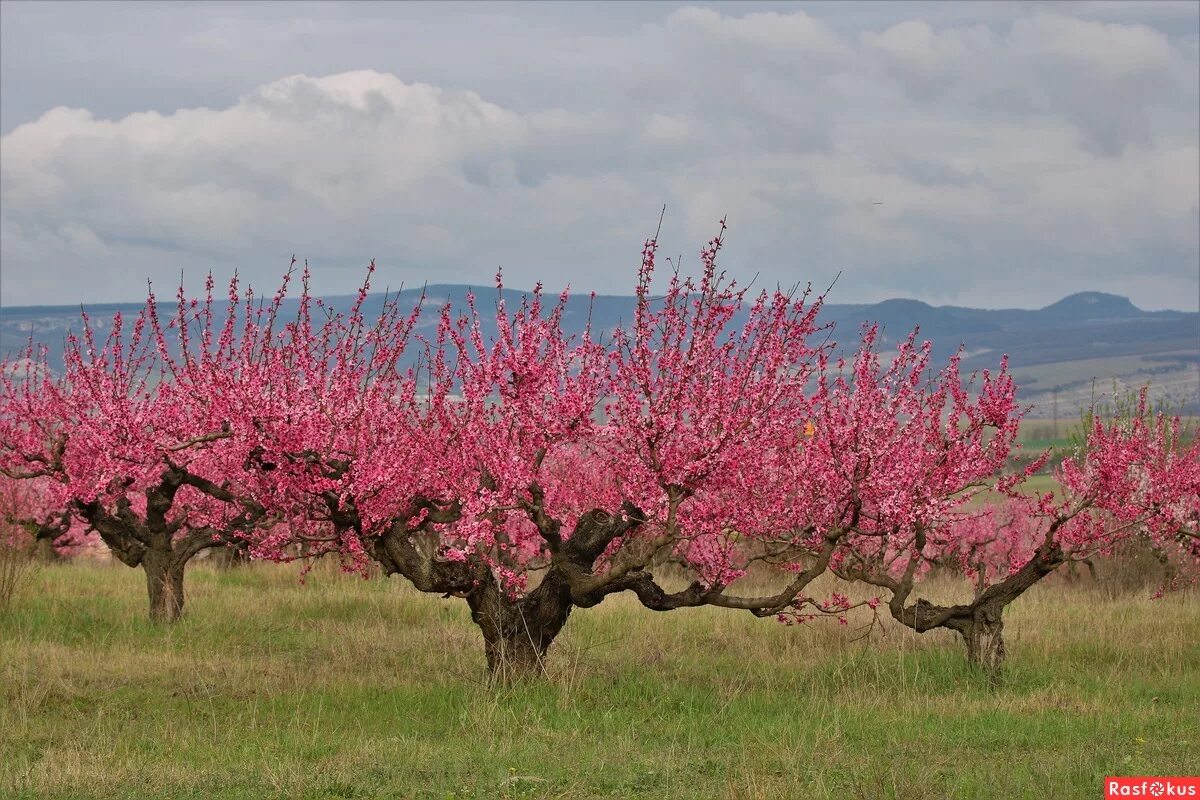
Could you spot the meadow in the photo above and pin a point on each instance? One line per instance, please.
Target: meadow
(352, 688)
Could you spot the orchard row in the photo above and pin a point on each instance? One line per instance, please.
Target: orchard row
(530, 472)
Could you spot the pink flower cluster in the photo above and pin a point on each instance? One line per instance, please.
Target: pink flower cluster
(720, 419)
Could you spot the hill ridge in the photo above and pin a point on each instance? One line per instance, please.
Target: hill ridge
(1059, 354)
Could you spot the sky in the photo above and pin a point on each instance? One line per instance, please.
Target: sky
(991, 155)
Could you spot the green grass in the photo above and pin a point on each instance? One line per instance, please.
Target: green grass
(363, 689)
(1135, 369)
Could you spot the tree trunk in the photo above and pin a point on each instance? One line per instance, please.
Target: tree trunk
(513, 655)
(984, 637)
(1073, 574)
(228, 557)
(43, 550)
(517, 633)
(981, 623)
(164, 581)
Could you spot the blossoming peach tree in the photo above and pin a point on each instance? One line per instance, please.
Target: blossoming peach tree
(899, 429)
(110, 440)
(532, 472)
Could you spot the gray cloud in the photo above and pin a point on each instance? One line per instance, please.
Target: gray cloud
(977, 154)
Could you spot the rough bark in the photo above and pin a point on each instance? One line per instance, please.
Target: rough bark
(152, 542)
(164, 583)
(517, 633)
(984, 638)
(980, 622)
(44, 550)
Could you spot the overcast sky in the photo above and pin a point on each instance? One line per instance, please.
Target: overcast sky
(977, 154)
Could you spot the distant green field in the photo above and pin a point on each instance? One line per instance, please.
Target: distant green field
(1038, 434)
(346, 688)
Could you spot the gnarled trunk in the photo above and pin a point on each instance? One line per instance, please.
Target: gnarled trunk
(1073, 575)
(984, 637)
(228, 557)
(517, 633)
(164, 582)
(980, 622)
(981, 625)
(513, 654)
(44, 551)
(157, 544)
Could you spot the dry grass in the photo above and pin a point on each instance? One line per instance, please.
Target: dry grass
(352, 688)
(17, 568)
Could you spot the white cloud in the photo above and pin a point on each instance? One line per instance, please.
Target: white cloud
(1056, 150)
(665, 128)
(1111, 52)
(920, 57)
(788, 37)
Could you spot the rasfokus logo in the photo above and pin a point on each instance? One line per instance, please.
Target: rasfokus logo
(1143, 786)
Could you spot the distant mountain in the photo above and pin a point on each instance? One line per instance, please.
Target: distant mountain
(1093, 306)
(1061, 355)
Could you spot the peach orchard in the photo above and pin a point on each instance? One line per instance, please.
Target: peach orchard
(531, 472)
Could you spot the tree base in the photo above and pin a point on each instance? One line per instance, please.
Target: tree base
(514, 660)
(517, 633)
(984, 638)
(164, 584)
(45, 552)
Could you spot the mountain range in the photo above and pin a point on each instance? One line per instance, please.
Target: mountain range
(1062, 356)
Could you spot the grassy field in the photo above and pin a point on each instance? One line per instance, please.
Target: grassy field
(1136, 369)
(361, 689)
